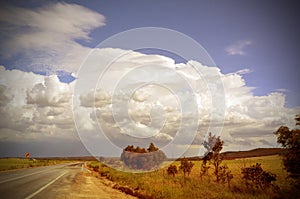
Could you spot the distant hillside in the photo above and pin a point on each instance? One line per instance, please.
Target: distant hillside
(252, 153)
(79, 158)
(245, 154)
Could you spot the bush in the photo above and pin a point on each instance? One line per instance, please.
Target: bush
(225, 175)
(94, 167)
(172, 170)
(255, 177)
(186, 166)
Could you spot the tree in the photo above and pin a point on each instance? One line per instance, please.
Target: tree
(186, 166)
(255, 177)
(138, 150)
(129, 148)
(290, 140)
(143, 150)
(214, 145)
(152, 148)
(297, 118)
(204, 166)
(172, 170)
(216, 157)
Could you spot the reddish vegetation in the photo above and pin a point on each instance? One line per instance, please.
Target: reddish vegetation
(142, 159)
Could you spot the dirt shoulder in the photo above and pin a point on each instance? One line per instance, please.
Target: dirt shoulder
(87, 185)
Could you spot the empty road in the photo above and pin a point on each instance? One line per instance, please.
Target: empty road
(59, 181)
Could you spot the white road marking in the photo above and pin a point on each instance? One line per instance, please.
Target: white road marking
(16, 178)
(83, 167)
(45, 186)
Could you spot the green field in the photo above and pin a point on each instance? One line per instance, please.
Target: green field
(19, 163)
(158, 184)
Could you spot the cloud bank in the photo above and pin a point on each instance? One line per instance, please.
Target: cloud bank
(36, 108)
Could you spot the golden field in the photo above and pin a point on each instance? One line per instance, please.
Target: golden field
(158, 184)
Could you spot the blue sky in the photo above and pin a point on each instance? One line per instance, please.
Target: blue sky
(271, 26)
(255, 44)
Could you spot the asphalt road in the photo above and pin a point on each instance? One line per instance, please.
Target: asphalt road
(37, 182)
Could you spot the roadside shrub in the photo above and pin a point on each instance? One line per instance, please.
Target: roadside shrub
(255, 177)
(204, 167)
(172, 170)
(186, 166)
(95, 167)
(225, 175)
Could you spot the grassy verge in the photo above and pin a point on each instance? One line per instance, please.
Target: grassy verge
(158, 184)
(19, 163)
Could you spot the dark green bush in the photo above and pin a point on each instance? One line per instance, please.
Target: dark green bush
(186, 166)
(172, 170)
(255, 177)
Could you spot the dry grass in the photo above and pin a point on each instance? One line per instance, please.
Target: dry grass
(158, 184)
(19, 163)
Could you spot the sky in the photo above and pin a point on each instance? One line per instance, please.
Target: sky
(74, 83)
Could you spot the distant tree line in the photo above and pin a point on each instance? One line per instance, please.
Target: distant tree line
(141, 158)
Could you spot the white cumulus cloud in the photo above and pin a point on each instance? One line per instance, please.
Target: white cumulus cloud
(129, 106)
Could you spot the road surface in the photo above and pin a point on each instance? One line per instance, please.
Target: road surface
(59, 181)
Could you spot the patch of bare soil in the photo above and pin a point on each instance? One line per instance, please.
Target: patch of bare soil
(86, 185)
